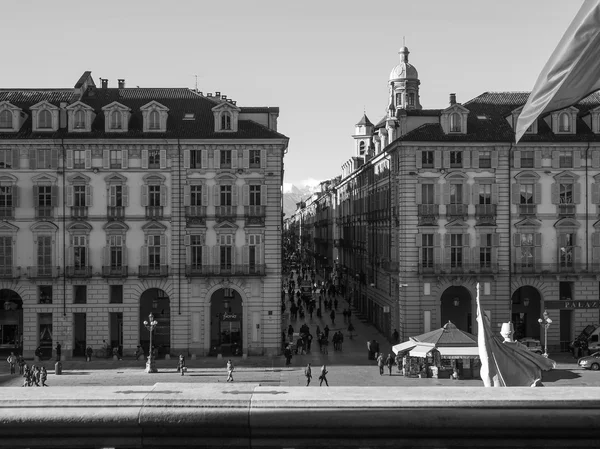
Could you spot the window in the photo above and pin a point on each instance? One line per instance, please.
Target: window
(154, 250)
(154, 120)
(79, 252)
(566, 249)
(455, 123)
(565, 193)
(255, 158)
(411, 99)
(427, 250)
(456, 193)
(226, 121)
(6, 254)
(564, 123)
(485, 159)
(115, 243)
(427, 194)
(485, 251)
(116, 196)
(526, 196)
(78, 158)
(79, 294)
(79, 196)
(456, 249)
(196, 195)
(116, 159)
(153, 158)
(154, 195)
(254, 195)
(6, 200)
(427, 158)
(45, 296)
(6, 158)
(116, 294)
(6, 119)
(565, 159)
(195, 158)
(44, 158)
(44, 119)
(485, 194)
(361, 148)
(226, 251)
(455, 159)
(398, 100)
(253, 251)
(44, 196)
(527, 159)
(79, 119)
(116, 120)
(225, 158)
(196, 251)
(527, 250)
(226, 195)
(44, 254)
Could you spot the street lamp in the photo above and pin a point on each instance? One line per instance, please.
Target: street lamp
(151, 363)
(546, 322)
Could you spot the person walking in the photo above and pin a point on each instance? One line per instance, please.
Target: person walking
(390, 363)
(181, 364)
(21, 363)
(12, 362)
(288, 355)
(332, 316)
(396, 336)
(308, 374)
(88, 354)
(38, 376)
(230, 369)
(58, 351)
(44, 376)
(323, 376)
(380, 364)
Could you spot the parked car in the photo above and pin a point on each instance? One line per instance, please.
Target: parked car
(590, 362)
(532, 344)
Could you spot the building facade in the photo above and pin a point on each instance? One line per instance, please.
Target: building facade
(436, 203)
(121, 202)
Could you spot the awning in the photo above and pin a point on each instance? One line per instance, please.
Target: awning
(421, 349)
(469, 352)
(403, 347)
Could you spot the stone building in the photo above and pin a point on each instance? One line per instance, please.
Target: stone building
(119, 202)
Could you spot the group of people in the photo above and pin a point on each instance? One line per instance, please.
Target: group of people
(381, 363)
(322, 376)
(33, 375)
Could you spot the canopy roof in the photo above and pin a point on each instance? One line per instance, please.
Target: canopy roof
(449, 335)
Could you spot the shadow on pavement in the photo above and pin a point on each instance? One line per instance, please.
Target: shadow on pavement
(559, 374)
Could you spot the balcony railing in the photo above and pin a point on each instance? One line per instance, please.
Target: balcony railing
(556, 268)
(456, 210)
(7, 212)
(42, 272)
(115, 212)
(154, 212)
(43, 212)
(226, 211)
(527, 209)
(114, 272)
(566, 210)
(79, 212)
(195, 211)
(254, 211)
(219, 270)
(428, 214)
(153, 271)
(451, 269)
(485, 214)
(10, 272)
(78, 271)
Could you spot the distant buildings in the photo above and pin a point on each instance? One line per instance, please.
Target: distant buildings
(434, 202)
(117, 202)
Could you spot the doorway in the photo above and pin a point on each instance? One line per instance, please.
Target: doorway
(79, 334)
(226, 323)
(566, 330)
(116, 331)
(456, 307)
(157, 302)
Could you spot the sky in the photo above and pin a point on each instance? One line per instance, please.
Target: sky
(323, 63)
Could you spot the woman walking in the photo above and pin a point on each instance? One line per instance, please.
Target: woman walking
(230, 369)
(323, 376)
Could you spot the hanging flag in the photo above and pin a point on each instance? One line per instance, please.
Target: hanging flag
(571, 73)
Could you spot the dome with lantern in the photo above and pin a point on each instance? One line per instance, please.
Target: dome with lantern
(404, 70)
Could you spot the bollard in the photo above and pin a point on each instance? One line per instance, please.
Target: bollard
(58, 368)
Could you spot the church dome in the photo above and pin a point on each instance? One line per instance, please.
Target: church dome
(404, 70)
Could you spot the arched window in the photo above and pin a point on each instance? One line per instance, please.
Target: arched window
(564, 123)
(6, 119)
(44, 119)
(154, 120)
(226, 121)
(411, 99)
(79, 119)
(361, 148)
(398, 100)
(455, 123)
(115, 120)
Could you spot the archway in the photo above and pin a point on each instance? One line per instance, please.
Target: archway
(156, 301)
(456, 307)
(226, 323)
(526, 309)
(11, 322)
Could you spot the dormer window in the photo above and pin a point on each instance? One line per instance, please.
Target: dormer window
(155, 117)
(6, 119)
(154, 120)
(116, 117)
(455, 123)
(44, 119)
(79, 119)
(226, 117)
(564, 123)
(116, 120)
(226, 121)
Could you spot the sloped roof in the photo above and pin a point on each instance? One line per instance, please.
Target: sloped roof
(448, 335)
(364, 121)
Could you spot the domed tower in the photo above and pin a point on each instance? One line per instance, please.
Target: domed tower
(404, 83)
(362, 136)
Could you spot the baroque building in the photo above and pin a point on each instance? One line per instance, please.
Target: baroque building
(119, 202)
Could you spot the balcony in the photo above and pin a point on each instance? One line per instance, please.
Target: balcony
(566, 210)
(255, 214)
(154, 212)
(556, 268)
(114, 271)
(428, 214)
(225, 212)
(78, 271)
(527, 210)
(79, 212)
(7, 213)
(195, 211)
(457, 269)
(10, 272)
(222, 270)
(485, 214)
(115, 212)
(42, 272)
(44, 212)
(456, 211)
(153, 271)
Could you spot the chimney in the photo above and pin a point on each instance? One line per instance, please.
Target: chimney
(452, 99)
(121, 84)
(104, 83)
(62, 123)
(218, 94)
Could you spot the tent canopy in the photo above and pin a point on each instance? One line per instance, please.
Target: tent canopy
(449, 335)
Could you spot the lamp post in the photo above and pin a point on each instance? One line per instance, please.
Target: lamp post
(546, 322)
(151, 363)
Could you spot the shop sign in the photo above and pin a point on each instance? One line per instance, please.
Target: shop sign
(571, 304)
(229, 317)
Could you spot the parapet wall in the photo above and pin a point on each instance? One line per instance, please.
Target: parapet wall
(250, 416)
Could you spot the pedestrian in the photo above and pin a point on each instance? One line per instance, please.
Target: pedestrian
(44, 376)
(326, 332)
(21, 363)
(38, 376)
(181, 364)
(323, 376)
(390, 363)
(26, 374)
(290, 332)
(38, 353)
(308, 374)
(380, 364)
(58, 350)
(288, 355)
(139, 352)
(88, 354)
(350, 330)
(12, 362)
(332, 316)
(230, 369)
(396, 336)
